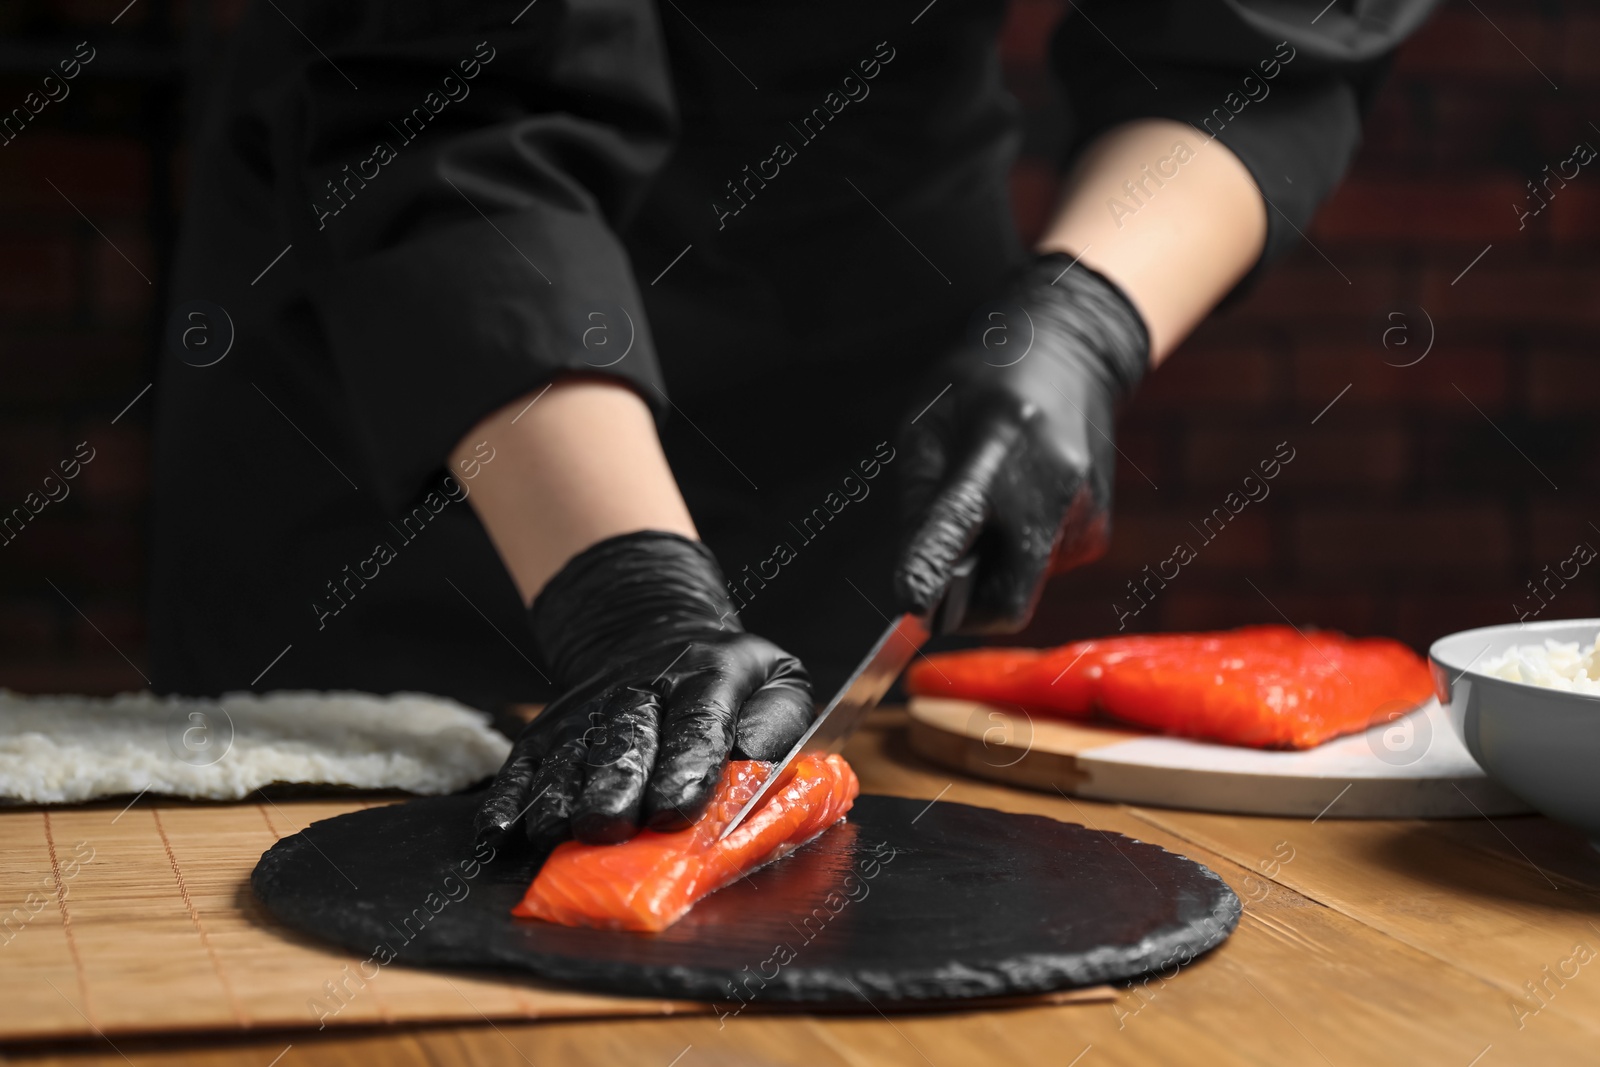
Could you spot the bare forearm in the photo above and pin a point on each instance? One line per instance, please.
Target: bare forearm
(1171, 216)
(581, 463)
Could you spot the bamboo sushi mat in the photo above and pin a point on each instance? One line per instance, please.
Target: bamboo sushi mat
(141, 920)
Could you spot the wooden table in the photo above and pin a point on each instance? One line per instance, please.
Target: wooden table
(1471, 943)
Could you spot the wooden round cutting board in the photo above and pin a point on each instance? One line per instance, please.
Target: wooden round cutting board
(1413, 767)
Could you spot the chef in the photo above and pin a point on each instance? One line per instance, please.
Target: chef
(617, 354)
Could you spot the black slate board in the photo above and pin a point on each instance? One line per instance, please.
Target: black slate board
(903, 903)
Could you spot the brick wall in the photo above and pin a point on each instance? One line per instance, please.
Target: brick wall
(81, 212)
(1428, 495)
(1415, 505)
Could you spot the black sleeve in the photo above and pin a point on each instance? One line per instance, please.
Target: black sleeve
(454, 174)
(1283, 84)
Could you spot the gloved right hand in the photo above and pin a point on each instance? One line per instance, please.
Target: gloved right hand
(660, 686)
(1012, 459)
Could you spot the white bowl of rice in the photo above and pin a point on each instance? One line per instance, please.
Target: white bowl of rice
(1525, 698)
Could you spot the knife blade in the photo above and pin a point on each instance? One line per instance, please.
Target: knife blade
(896, 648)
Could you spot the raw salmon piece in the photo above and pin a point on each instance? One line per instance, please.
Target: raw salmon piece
(1260, 686)
(1277, 694)
(986, 674)
(650, 882)
(1063, 681)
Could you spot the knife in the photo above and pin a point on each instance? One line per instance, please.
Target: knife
(899, 644)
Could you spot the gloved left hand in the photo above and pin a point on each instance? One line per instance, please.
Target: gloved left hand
(1011, 457)
(660, 685)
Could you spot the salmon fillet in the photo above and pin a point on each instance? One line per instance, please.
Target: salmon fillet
(1260, 686)
(650, 882)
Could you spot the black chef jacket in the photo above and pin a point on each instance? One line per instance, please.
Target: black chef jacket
(765, 217)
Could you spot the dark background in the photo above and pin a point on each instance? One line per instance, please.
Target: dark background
(1420, 503)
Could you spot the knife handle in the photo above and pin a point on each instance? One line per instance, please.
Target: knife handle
(952, 607)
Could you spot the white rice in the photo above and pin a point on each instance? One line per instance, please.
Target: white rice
(62, 749)
(1554, 664)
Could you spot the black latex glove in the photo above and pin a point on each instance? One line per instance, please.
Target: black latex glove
(659, 686)
(1015, 458)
